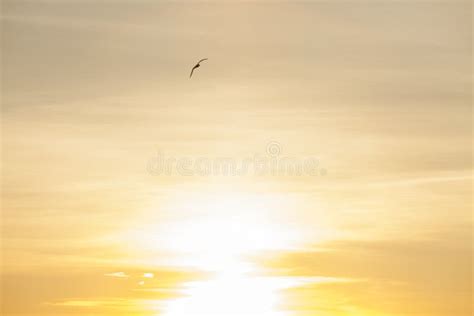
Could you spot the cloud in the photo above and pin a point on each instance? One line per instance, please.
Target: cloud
(427, 276)
(117, 275)
(105, 304)
(425, 180)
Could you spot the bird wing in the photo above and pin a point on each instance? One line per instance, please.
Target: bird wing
(202, 60)
(192, 70)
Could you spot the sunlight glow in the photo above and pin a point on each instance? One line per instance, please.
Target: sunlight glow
(227, 229)
(230, 292)
(211, 230)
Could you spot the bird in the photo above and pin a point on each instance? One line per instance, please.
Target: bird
(196, 66)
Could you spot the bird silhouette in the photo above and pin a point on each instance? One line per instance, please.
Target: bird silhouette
(196, 66)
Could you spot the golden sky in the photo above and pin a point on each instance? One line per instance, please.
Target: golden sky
(379, 92)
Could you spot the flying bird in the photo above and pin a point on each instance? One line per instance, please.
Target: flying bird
(197, 65)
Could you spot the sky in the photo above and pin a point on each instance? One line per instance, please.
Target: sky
(96, 95)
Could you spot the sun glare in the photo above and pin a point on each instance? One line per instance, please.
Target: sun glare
(209, 230)
(232, 293)
(216, 235)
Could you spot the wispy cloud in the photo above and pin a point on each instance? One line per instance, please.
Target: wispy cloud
(117, 275)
